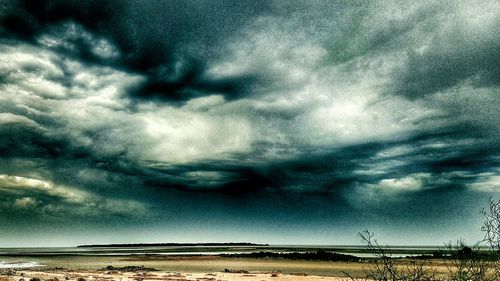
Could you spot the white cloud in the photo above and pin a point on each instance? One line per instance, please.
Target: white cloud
(395, 151)
(31, 71)
(9, 118)
(389, 190)
(487, 182)
(25, 203)
(414, 182)
(204, 103)
(68, 35)
(178, 136)
(53, 198)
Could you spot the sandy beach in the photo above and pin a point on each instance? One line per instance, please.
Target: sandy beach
(101, 275)
(188, 264)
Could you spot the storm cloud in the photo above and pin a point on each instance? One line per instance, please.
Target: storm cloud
(341, 113)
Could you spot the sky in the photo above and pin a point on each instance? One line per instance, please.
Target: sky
(281, 122)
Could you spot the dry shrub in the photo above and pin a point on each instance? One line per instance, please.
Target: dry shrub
(477, 263)
(386, 268)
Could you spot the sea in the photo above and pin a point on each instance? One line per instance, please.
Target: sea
(18, 264)
(20, 257)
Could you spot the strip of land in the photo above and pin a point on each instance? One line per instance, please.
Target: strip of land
(139, 245)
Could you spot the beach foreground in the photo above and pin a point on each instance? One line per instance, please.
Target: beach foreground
(186, 264)
(93, 275)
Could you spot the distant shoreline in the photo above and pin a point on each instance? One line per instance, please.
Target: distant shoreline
(171, 245)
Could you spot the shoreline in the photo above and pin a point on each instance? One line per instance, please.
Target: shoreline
(85, 275)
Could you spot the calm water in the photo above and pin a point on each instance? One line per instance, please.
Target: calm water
(204, 250)
(18, 264)
(26, 257)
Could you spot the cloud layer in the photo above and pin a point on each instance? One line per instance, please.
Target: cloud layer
(128, 102)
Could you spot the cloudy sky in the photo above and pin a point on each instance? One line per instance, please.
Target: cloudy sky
(285, 122)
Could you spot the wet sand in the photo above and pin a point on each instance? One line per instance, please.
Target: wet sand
(181, 268)
(195, 264)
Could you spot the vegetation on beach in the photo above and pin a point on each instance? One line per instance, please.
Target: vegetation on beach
(321, 255)
(140, 245)
(129, 268)
(480, 262)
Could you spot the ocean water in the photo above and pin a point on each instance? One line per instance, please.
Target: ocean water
(18, 264)
(360, 251)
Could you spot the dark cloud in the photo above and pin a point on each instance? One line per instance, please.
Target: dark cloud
(191, 82)
(286, 114)
(451, 60)
(168, 41)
